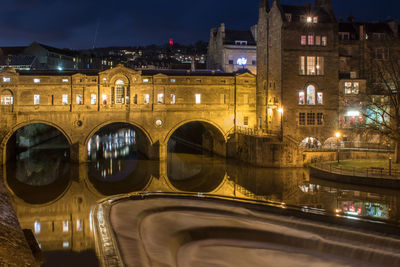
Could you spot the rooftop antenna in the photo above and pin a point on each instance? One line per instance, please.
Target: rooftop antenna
(95, 34)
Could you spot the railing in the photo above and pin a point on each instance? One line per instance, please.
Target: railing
(351, 146)
(256, 131)
(370, 172)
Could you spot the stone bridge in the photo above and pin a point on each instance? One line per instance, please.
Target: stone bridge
(155, 103)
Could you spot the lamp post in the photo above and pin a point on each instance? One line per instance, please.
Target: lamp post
(337, 134)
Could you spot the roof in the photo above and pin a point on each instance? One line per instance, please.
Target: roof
(298, 11)
(370, 27)
(19, 60)
(57, 50)
(186, 73)
(57, 73)
(239, 35)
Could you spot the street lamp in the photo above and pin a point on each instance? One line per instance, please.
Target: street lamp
(337, 134)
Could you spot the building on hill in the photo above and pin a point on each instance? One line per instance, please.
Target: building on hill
(232, 50)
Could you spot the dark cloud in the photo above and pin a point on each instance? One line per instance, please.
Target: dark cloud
(73, 23)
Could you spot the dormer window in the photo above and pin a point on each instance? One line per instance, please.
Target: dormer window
(288, 17)
(240, 42)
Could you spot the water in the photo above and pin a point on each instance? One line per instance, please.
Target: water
(54, 197)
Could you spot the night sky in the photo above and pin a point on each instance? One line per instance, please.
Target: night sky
(72, 23)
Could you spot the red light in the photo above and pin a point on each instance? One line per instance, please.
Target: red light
(171, 41)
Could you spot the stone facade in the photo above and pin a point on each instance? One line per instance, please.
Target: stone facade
(227, 48)
(79, 104)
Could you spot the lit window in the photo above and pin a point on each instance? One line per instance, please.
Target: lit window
(309, 19)
(198, 98)
(65, 99)
(320, 98)
(318, 40)
(93, 99)
(79, 99)
(173, 98)
(303, 40)
(146, 99)
(7, 100)
(310, 95)
(79, 225)
(104, 99)
(315, 19)
(36, 80)
(65, 226)
(311, 65)
(36, 99)
(145, 80)
(64, 80)
(356, 88)
(6, 79)
(324, 41)
(65, 244)
(104, 79)
(119, 92)
(37, 227)
(160, 98)
(172, 80)
(301, 98)
(310, 39)
(351, 88)
(302, 70)
(353, 113)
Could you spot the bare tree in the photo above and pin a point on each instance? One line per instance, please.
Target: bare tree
(382, 99)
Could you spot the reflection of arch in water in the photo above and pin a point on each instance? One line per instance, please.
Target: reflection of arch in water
(145, 141)
(310, 142)
(5, 142)
(194, 173)
(134, 178)
(36, 195)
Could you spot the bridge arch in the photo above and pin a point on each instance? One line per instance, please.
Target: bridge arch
(15, 128)
(217, 134)
(144, 147)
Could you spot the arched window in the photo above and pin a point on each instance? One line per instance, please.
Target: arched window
(6, 98)
(311, 95)
(119, 92)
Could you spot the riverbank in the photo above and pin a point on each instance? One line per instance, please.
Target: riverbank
(360, 172)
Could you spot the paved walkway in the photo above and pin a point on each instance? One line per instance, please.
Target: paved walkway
(14, 249)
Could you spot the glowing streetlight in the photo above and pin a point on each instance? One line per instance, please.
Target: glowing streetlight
(309, 19)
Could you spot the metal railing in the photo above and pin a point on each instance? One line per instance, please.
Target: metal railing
(256, 131)
(370, 172)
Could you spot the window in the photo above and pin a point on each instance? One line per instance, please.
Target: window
(93, 99)
(65, 226)
(310, 118)
(65, 99)
(160, 98)
(104, 99)
(36, 80)
(198, 98)
(79, 99)
(310, 95)
(301, 98)
(64, 80)
(253, 61)
(37, 227)
(79, 225)
(36, 99)
(302, 118)
(135, 99)
(65, 244)
(246, 121)
(145, 80)
(318, 40)
(230, 60)
(311, 65)
(344, 36)
(303, 40)
(119, 92)
(240, 42)
(351, 88)
(173, 98)
(146, 99)
(288, 17)
(315, 19)
(309, 19)
(7, 100)
(320, 119)
(172, 80)
(382, 53)
(320, 98)
(310, 39)
(6, 79)
(324, 41)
